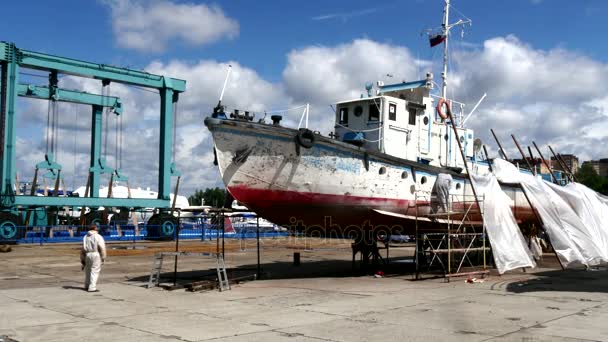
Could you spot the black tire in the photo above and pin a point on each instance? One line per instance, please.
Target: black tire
(162, 227)
(228, 200)
(11, 227)
(98, 218)
(306, 138)
(123, 217)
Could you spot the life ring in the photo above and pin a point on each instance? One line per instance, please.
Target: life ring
(448, 112)
(305, 138)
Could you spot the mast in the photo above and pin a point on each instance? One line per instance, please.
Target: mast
(445, 32)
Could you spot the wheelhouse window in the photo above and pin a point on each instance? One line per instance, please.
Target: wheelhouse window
(343, 119)
(412, 119)
(374, 113)
(392, 112)
(358, 111)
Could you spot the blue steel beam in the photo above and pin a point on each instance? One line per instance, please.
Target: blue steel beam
(95, 168)
(90, 202)
(12, 58)
(40, 61)
(10, 77)
(166, 137)
(72, 96)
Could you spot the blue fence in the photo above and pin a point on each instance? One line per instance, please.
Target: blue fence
(126, 233)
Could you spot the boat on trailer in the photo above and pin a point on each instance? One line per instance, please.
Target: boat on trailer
(377, 168)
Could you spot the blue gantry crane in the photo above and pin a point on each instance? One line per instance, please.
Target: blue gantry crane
(13, 207)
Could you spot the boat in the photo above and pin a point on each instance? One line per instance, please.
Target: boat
(376, 169)
(244, 220)
(122, 191)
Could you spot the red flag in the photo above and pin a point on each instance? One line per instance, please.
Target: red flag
(436, 39)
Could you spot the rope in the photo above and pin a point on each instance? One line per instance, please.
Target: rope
(174, 129)
(116, 140)
(51, 127)
(34, 75)
(364, 130)
(120, 142)
(371, 141)
(105, 91)
(456, 9)
(143, 89)
(284, 110)
(48, 126)
(55, 131)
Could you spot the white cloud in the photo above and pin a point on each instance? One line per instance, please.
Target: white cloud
(245, 90)
(507, 68)
(325, 75)
(547, 96)
(346, 15)
(150, 25)
(551, 96)
(194, 155)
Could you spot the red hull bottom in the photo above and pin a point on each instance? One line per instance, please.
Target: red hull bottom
(339, 215)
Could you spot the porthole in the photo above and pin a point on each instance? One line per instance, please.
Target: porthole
(358, 111)
(425, 120)
(423, 180)
(445, 137)
(404, 175)
(458, 186)
(461, 140)
(382, 170)
(412, 188)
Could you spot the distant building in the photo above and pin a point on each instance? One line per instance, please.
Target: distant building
(570, 160)
(600, 166)
(536, 163)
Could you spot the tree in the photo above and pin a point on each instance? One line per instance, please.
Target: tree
(587, 176)
(210, 196)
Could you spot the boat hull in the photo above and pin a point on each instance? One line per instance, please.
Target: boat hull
(333, 187)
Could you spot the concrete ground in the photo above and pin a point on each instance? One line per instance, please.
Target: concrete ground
(41, 300)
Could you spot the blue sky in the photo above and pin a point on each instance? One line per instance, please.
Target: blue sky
(270, 29)
(542, 63)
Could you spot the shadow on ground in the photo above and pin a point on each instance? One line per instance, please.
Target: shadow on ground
(287, 270)
(568, 280)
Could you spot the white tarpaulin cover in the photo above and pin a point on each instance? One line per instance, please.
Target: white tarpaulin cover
(508, 244)
(568, 216)
(593, 213)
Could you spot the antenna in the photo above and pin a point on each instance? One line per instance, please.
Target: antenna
(219, 108)
(473, 110)
(446, 27)
(225, 82)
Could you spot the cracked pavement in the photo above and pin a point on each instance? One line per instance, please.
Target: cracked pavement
(41, 299)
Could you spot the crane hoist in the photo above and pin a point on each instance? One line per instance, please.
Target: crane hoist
(13, 207)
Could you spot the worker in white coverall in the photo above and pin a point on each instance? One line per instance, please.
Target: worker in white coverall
(92, 256)
(440, 201)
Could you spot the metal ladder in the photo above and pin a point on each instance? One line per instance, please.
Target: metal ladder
(222, 277)
(156, 269)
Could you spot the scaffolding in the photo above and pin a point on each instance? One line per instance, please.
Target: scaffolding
(453, 241)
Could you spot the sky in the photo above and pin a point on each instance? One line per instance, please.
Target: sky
(542, 63)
